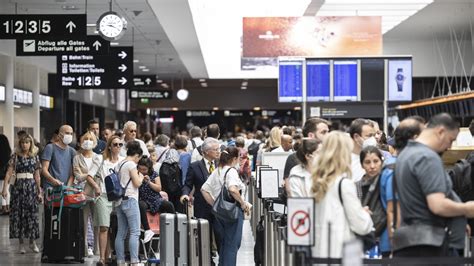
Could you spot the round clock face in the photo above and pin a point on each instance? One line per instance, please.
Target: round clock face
(111, 26)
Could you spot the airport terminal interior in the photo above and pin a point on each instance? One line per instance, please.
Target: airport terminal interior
(219, 132)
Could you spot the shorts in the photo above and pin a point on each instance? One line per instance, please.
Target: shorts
(102, 210)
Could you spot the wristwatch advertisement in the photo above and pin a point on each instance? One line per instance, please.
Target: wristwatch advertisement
(399, 80)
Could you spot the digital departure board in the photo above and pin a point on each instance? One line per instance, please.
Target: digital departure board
(290, 80)
(345, 80)
(317, 80)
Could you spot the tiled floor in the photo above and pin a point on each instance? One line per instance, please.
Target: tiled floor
(9, 254)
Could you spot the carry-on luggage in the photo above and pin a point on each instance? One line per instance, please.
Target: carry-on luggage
(63, 235)
(173, 239)
(199, 242)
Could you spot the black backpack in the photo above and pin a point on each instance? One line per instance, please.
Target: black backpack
(462, 175)
(170, 177)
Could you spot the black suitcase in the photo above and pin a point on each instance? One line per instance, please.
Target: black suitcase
(63, 238)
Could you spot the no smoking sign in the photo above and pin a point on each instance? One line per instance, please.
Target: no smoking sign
(301, 222)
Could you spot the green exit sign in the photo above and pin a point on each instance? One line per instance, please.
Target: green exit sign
(145, 100)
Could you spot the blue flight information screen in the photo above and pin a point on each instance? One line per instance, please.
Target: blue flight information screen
(317, 81)
(290, 81)
(345, 80)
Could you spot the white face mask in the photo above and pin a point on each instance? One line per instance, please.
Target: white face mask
(87, 145)
(369, 142)
(67, 139)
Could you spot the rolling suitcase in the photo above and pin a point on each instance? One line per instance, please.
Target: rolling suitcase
(63, 236)
(173, 239)
(199, 242)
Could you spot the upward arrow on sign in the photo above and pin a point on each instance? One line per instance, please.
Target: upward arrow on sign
(70, 25)
(148, 80)
(96, 44)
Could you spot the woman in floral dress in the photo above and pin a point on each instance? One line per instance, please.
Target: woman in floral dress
(24, 174)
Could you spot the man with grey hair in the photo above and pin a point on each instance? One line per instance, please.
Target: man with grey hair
(130, 134)
(162, 146)
(197, 175)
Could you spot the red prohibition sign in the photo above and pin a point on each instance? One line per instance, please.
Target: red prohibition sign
(299, 222)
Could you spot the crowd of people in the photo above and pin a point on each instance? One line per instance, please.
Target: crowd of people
(350, 175)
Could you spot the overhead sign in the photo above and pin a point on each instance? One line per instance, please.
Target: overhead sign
(51, 47)
(301, 221)
(43, 26)
(111, 71)
(144, 81)
(152, 95)
(399, 80)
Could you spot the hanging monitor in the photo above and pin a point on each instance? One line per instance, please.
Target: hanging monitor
(2, 93)
(317, 80)
(290, 80)
(400, 79)
(345, 80)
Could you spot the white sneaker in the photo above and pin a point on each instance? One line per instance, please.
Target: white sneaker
(148, 235)
(22, 249)
(34, 247)
(90, 253)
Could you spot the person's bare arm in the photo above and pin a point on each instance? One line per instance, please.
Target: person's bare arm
(440, 205)
(207, 196)
(45, 171)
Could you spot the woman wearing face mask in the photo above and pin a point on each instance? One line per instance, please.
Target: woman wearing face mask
(300, 180)
(368, 191)
(85, 165)
(229, 233)
(25, 192)
(128, 212)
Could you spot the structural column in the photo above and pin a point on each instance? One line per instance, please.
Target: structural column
(7, 71)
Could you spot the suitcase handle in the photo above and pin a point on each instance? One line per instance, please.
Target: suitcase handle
(176, 239)
(198, 246)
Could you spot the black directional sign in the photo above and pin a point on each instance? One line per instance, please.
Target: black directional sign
(48, 47)
(152, 95)
(81, 71)
(43, 26)
(144, 81)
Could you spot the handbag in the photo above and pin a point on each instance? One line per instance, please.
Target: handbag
(368, 240)
(13, 177)
(64, 196)
(88, 189)
(225, 208)
(416, 234)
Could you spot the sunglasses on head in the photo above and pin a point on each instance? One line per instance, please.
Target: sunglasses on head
(133, 131)
(117, 144)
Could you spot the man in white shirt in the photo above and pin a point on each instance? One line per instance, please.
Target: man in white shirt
(363, 134)
(130, 134)
(195, 139)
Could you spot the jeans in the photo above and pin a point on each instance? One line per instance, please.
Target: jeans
(128, 219)
(231, 236)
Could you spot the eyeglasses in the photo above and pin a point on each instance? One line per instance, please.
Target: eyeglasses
(133, 131)
(117, 144)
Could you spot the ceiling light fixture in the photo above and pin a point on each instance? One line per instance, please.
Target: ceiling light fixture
(159, 81)
(215, 108)
(245, 83)
(91, 25)
(204, 84)
(202, 80)
(141, 67)
(70, 7)
(182, 94)
(145, 70)
(114, 43)
(243, 88)
(136, 60)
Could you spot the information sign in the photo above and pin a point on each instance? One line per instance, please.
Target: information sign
(290, 80)
(345, 80)
(317, 80)
(52, 47)
(301, 221)
(144, 81)
(22, 26)
(111, 71)
(152, 95)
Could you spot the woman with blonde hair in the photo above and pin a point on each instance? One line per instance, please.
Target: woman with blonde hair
(24, 167)
(338, 210)
(274, 140)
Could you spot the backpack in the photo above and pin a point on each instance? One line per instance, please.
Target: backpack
(114, 189)
(170, 177)
(462, 175)
(253, 150)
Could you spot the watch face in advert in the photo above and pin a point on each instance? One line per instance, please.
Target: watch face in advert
(400, 80)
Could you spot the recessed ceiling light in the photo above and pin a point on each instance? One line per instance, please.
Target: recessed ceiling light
(202, 80)
(91, 25)
(141, 67)
(136, 60)
(256, 108)
(297, 108)
(243, 88)
(245, 83)
(174, 109)
(204, 84)
(145, 70)
(114, 43)
(215, 108)
(164, 85)
(159, 81)
(70, 7)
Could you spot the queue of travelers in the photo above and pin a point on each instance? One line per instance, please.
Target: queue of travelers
(362, 183)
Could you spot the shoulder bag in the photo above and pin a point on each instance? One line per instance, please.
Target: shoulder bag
(225, 207)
